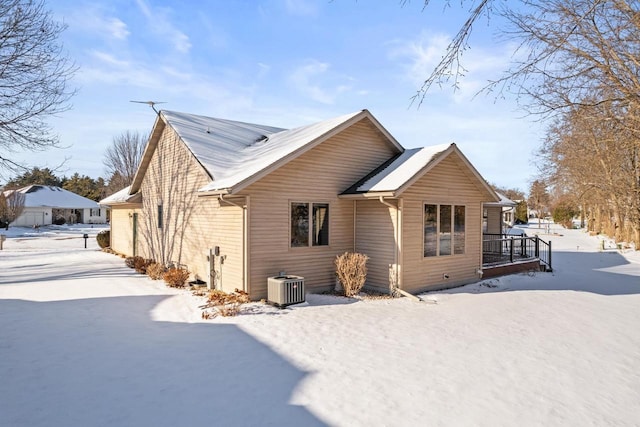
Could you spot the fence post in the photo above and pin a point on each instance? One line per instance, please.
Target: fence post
(511, 250)
(537, 247)
(550, 267)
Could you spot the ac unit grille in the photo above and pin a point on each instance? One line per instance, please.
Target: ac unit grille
(285, 290)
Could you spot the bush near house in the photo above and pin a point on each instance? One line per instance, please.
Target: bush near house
(351, 269)
(130, 261)
(224, 304)
(140, 264)
(176, 277)
(155, 271)
(104, 238)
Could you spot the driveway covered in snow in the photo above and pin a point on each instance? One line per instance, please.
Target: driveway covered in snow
(85, 341)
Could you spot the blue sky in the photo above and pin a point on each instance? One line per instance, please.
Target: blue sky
(284, 63)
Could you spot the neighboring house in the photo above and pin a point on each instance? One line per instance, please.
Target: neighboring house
(497, 216)
(236, 203)
(44, 204)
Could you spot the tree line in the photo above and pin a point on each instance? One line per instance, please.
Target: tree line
(121, 161)
(575, 65)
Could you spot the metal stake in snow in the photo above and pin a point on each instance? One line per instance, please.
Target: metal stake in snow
(86, 236)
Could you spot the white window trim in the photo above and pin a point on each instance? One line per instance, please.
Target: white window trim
(466, 222)
(310, 237)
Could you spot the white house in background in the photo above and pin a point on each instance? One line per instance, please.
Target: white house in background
(498, 216)
(44, 204)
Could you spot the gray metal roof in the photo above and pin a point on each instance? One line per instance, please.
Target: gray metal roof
(54, 197)
(233, 152)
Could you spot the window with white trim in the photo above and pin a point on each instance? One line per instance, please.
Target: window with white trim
(309, 224)
(94, 212)
(444, 230)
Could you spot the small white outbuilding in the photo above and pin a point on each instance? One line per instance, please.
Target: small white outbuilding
(44, 204)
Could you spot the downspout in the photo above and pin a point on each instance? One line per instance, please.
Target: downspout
(480, 271)
(355, 224)
(244, 238)
(396, 288)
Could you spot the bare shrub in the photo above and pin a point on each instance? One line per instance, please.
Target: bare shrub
(351, 269)
(176, 277)
(130, 261)
(141, 264)
(217, 297)
(229, 310)
(224, 304)
(155, 271)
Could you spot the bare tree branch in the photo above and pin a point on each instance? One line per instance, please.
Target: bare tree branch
(34, 74)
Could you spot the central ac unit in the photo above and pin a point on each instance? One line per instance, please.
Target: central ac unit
(285, 290)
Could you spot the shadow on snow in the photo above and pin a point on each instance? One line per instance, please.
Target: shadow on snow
(604, 273)
(104, 362)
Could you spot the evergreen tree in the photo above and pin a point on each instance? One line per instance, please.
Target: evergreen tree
(36, 176)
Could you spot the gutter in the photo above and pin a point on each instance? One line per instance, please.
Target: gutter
(223, 200)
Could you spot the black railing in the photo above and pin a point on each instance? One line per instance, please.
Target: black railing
(503, 249)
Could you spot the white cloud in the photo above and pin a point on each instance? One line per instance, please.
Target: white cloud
(97, 22)
(163, 82)
(117, 28)
(263, 69)
(305, 78)
(420, 56)
(109, 59)
(301, 7)
(158, 21)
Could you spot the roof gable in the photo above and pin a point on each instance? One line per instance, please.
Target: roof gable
(235, 154)
(398, 174)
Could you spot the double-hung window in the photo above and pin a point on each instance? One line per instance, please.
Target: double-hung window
(444, 230)
(309, 224)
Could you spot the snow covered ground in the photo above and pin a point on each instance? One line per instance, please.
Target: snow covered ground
(85, 341)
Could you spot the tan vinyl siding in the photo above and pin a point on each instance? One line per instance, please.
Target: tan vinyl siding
(318, 175)
(191, 224)
(222, 226)
(375, 237)
(449, 183)
(122, 230)
(494, 220)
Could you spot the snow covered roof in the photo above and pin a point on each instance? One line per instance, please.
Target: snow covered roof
(54, 197)
(234, 154)
(400, 172)
(121, 196)
(267, 152)
(504, 201)
(391, 176)
(219, 145)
